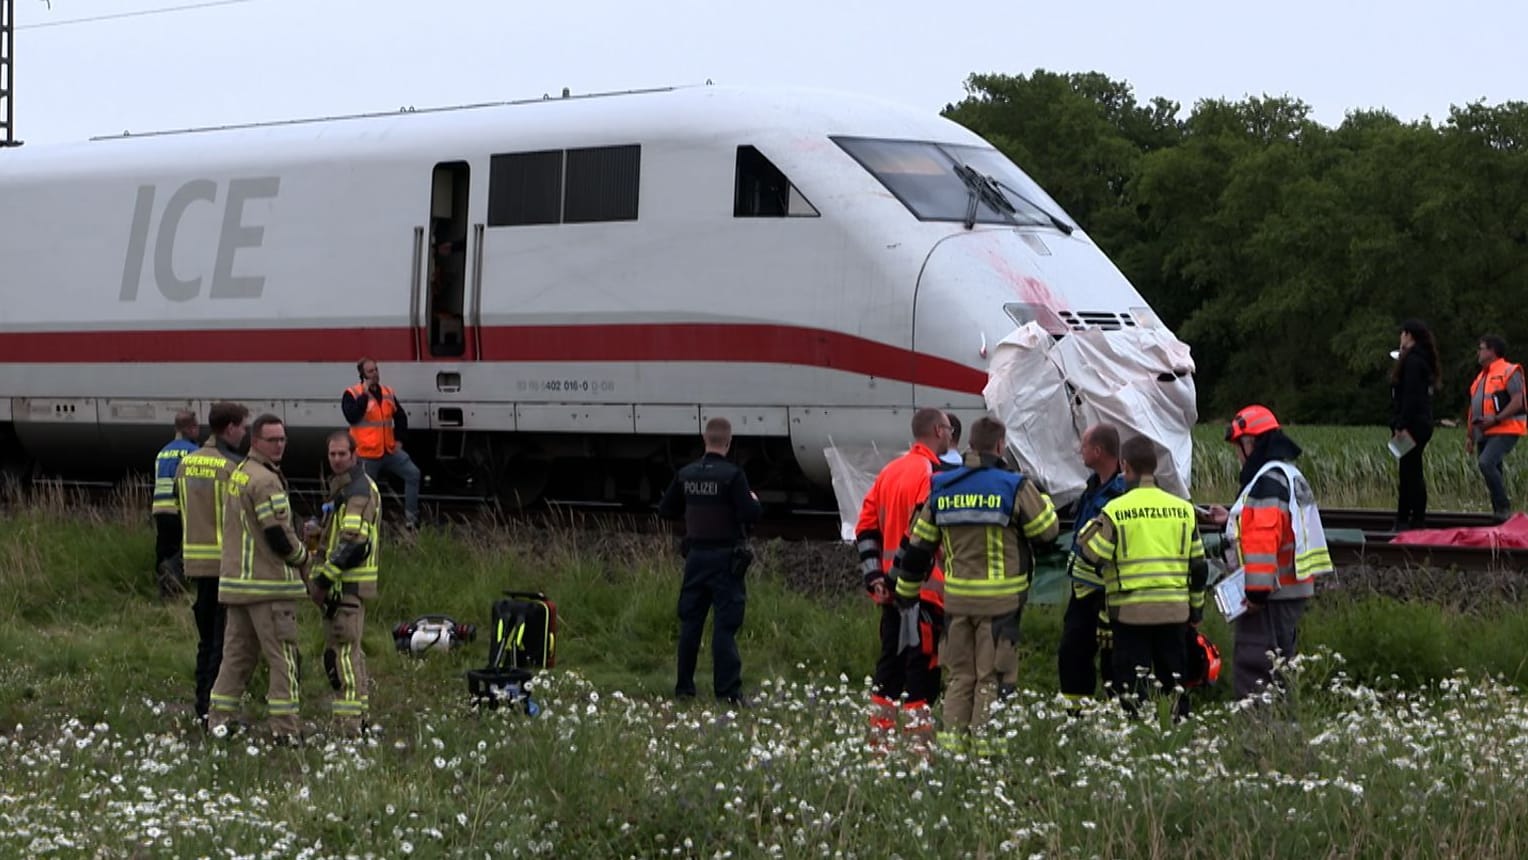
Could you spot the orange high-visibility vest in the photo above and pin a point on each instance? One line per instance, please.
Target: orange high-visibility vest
(373, 434)
(1495, 378)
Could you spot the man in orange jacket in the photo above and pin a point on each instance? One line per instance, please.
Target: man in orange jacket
(377, 424)
(1496, 418)
(885, 516)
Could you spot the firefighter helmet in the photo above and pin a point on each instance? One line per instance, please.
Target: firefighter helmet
(1203, 660)
(1252, 420)
(432, 633)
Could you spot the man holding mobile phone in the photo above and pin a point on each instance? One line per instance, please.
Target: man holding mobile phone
(377, 424)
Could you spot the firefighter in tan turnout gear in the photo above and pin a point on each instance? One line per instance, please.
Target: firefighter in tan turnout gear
(346, 574)
(987, 520)
(264, 574)
(201, 490)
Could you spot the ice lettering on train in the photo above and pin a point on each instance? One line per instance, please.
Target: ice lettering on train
(234, 235)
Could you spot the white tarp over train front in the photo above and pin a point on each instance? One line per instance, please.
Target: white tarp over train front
(1048, 391)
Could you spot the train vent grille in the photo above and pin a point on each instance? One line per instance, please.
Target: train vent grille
(1106, 320)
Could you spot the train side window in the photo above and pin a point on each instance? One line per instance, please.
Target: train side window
(525, 188)
(763, 191)
(447, 257)
(603, 184)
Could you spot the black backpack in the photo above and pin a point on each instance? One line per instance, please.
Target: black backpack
(524, 632)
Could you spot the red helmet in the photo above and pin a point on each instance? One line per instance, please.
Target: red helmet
(1252, 420)
(1203, 660)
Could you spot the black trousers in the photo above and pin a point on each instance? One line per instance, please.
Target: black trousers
(167, 533)
(1411, 507)
(166, 538)
(1144, 653)
(711, 581)
(1275, 627)
(910, 671)
(1079, 645)
(210, 618)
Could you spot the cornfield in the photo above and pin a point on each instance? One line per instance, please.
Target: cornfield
(1351, 467)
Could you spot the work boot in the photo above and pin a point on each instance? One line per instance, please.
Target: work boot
(988, 747)
(955, 743)
(918, 726)
(883, 721)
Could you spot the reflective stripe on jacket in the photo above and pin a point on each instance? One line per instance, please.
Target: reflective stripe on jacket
(1496, 378)
(373, 434)
(253, 571)
(984, 519)
(201, 485)
(1275, 528)
(358, 507)
(164, 501)
(888, 511)
(1146, 546)
(1085, 579)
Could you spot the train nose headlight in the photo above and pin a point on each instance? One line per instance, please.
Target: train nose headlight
(1023, 313)
(1146, 317)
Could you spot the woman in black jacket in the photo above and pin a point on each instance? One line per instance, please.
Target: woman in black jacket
(1412, 381)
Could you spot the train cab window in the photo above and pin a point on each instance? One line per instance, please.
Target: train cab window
(763, 191)
(603, 184)
(934, 181)
(447, 260)
(525, 188)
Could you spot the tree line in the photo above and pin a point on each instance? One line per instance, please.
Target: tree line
(1285, 252)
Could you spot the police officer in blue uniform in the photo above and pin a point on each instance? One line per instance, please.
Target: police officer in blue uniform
(713, 497)
(168, 562)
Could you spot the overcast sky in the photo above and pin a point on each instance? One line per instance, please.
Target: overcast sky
(275, 59)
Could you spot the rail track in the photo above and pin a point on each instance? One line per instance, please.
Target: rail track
(1358, 536)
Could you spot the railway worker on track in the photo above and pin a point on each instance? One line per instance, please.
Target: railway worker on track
(265, 573)
(1085, 632)
(346, 576)
(987, 520)
(1275, 533)
(906, 678)
(168, 564)
(1496, 418)
(713, 497)
(201, 485)
(1144, 546)
(378, 424)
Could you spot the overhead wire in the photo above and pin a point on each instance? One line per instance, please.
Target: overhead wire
(134, 14)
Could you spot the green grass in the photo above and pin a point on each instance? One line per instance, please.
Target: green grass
(1408, 745)
(1350, 467)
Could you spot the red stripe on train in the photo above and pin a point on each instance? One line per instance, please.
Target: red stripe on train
(714, 342)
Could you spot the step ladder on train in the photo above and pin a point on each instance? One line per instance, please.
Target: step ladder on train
(7, 69)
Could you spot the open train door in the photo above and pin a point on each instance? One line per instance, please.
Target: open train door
(446, 327)
(445, 306)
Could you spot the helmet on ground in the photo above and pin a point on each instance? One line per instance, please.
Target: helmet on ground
(1252, 420)
(1203, 660)
(432, 633)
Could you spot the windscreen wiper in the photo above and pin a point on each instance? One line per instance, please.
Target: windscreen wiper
(999, 185)
(979, 190)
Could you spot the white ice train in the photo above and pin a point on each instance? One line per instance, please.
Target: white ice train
(561, 290)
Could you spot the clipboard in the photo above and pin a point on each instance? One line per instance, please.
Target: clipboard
(1231, 595)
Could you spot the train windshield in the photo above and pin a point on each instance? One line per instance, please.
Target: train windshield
(949, 182)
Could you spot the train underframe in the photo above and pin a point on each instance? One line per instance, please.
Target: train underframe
(513, 470)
